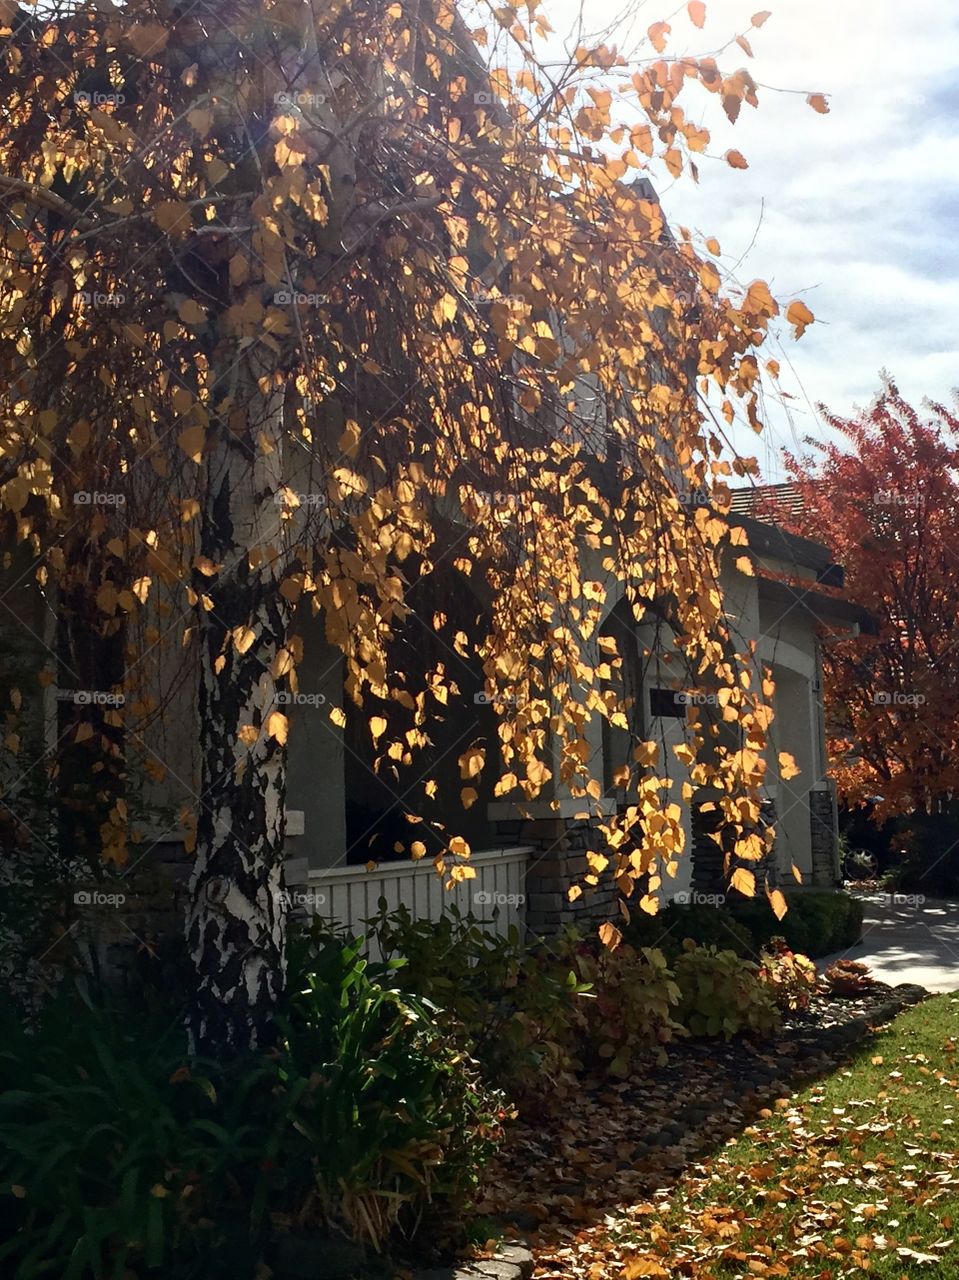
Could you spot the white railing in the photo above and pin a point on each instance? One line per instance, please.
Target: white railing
(496, 896)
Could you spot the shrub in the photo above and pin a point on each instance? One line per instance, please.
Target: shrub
(788, 976)
(118, 1152)
(704, 924)
(515, 1010)
(629, 1019)
(111, 1149)
(379, 1111)
(815, 924)
(720, 994)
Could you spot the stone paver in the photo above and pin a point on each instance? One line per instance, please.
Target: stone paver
(907, 938)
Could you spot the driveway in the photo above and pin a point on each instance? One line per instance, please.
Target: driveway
(907, 938)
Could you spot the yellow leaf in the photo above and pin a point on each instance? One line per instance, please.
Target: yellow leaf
(172, 217)
(248, 734)
(609, 935)
(787, 766)
(777, 902)
(191, 312)
(191, 441)
(798, 314)
(745, 565)
(744, 882)
(657, 35)
(468, 796)
(645, 1267)
(338, 716)
(277, 726)
(377, 727)
(418, 849)
(243, 638)
(459, 847)
(147, 38)
(200, 120)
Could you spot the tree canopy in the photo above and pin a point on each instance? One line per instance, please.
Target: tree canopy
(883, 495)
(309, 288)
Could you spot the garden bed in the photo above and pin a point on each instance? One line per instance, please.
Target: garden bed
(621, 1140)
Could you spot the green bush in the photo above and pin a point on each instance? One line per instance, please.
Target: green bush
(720, 994)
(514, 1009)
(111, 1149)
(630, 1017)
(815, 924)
(118, 1152)
(706, 925)
(379, 1111)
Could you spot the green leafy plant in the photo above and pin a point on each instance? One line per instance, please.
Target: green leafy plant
(380, 1112)
(118, 1151)
(112, 1149)
(721, 994)
(516, 1008)
(789, 976)
(630, 1019)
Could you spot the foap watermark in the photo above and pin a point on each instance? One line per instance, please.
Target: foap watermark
(895, 698)
(483, 298)
(94, 298)
(97, 898)
(896, 497)
(692, 898)
(489, 700)
(96, 99)
(300, 899)
(483, 98)
(696, 698)
(94, 498)
(290, 498)
(287, 698)
(293, 98)
(902, 899)
(493, 898)
(91, 697)
(294, 298)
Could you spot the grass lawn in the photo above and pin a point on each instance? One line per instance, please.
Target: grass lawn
(856, 1175)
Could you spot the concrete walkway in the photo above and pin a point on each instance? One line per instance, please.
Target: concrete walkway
(907, 938)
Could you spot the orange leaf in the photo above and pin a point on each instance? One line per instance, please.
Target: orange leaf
(818, 103)
(777, 902)
(798, 314)
(657, 34)
(743, 881)
(759, 18)
(697, 12)
(736, 160)
(609, 935)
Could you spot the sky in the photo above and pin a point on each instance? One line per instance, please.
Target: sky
(856, 212)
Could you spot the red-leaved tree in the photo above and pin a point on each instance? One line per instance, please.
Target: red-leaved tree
(884, 497)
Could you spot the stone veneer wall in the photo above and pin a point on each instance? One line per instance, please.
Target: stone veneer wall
(824, 837)
(560, 861)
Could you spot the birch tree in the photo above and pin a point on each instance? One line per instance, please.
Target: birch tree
(379, 244)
